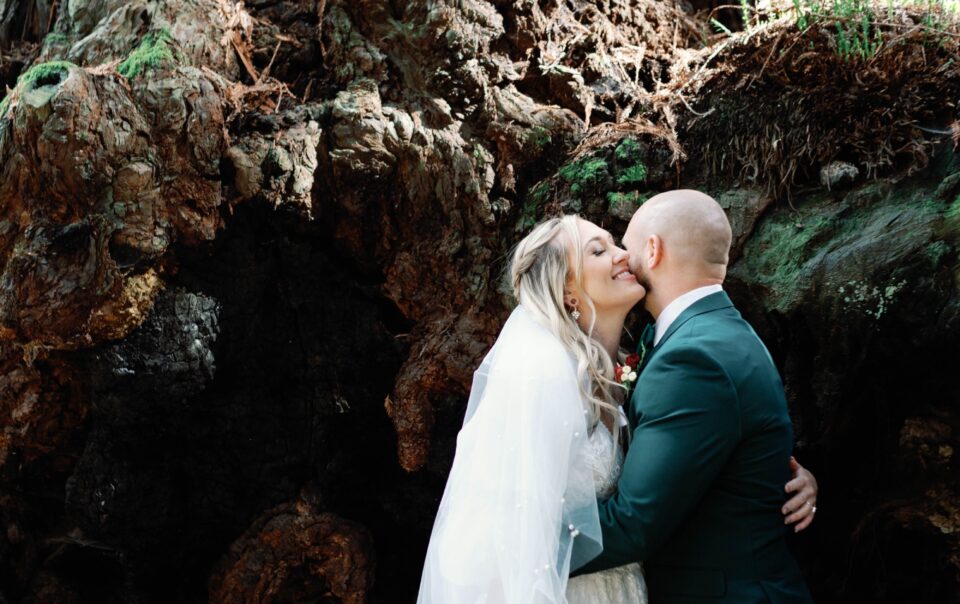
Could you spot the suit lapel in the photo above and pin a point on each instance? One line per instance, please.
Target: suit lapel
(706, 304)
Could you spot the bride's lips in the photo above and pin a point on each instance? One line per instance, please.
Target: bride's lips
(624, 275)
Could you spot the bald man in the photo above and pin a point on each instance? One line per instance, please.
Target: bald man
(699, 500)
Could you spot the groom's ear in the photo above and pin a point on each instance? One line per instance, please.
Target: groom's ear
(653, 254)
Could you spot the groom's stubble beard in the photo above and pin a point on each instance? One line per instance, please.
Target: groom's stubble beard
(643, 279)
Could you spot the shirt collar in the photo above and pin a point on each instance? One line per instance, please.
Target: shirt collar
(680, 304)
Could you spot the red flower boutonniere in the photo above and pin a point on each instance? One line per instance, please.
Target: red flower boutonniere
(626, 374)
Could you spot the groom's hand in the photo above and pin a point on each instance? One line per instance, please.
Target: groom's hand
(802, 507)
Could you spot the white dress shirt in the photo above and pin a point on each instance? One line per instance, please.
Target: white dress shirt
(675, 308)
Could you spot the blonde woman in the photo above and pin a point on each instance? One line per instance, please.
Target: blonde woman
(541, 439)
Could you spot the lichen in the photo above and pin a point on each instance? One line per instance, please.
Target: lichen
(155, 51)
(867, 299)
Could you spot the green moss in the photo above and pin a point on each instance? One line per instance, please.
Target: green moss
(55, 37)
(154, 52)
(584, 175)
(936, 252)
(953, 212)
(38, 76)
(44, 74)
(779, 251)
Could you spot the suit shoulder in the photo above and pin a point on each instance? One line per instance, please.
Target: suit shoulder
(691, 358)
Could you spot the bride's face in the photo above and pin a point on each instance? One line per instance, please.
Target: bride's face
(606, 275)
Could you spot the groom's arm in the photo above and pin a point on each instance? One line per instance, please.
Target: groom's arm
(689, 423)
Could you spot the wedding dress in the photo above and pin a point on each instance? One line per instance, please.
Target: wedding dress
(524, 483)
(624, 584)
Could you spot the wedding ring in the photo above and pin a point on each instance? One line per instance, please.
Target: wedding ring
(813, 510)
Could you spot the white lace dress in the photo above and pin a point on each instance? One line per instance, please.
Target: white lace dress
(624, 584)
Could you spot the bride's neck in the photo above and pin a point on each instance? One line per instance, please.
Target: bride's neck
(607, 332)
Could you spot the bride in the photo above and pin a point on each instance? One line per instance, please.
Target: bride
(541, 439)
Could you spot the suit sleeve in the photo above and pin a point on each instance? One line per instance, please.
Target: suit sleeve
(688, 425)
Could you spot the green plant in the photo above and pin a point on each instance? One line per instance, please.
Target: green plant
(745, 10)
(154, 52)
(535, 198)
(633, 175)
(720, 27)
(857, 24)
(631, 169)
(628, 150)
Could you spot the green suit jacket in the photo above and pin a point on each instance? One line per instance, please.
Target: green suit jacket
(699, 498)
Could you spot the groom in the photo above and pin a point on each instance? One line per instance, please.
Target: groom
(699, 500)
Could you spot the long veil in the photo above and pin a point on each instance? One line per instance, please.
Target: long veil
(519, 492)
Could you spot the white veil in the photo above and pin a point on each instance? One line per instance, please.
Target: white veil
(519, 492)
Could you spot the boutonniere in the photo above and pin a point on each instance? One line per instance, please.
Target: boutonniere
(626, 374)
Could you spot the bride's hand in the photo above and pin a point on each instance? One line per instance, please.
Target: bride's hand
(803, 505)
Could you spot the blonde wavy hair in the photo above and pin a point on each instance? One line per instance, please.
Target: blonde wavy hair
(539, 271)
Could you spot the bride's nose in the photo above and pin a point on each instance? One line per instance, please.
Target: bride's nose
(621, 255)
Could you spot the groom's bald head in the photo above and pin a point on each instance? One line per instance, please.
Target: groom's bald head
(679, 238)
(693, 227)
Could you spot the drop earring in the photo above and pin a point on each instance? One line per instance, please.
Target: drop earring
(575, 314)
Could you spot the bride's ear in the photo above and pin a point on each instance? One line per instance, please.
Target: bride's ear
(569, 297)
